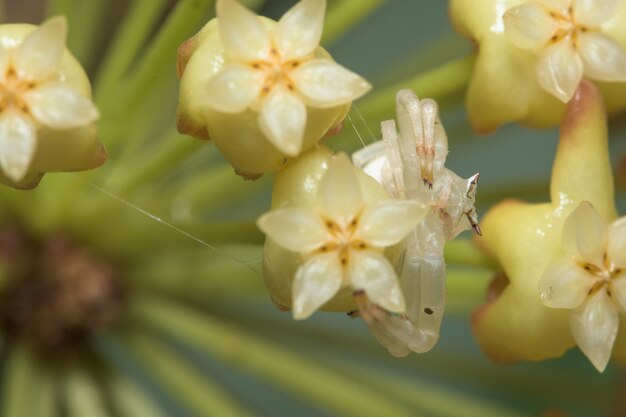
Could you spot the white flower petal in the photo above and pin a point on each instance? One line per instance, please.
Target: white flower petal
(371, 271)
(604, 59)
(295, 229)
(616, 250)
(58, 106)
(39, 55)
(585, 235)
(565, 285)
(559, 6)
(299, 31)
(339, 191)
(594, 13)
(560, 70)
(529, 25)
(243, 34)
(233, 89)
(283, 119)
(618, 292)
(324, 83)
(594, 327)
(388, 222)
(18, 142)
(316, 282)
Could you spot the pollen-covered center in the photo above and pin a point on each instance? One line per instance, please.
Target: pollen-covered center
(12, 90)
(566, 26)
(53, 293)
(276, 71)
(344, 239)
(604, 274)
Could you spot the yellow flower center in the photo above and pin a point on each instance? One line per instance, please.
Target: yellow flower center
(344, 240)
(276, 71)
(12, 89)
(567, 26)
(603, 274)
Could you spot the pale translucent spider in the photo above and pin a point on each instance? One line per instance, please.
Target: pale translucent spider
(410, 165)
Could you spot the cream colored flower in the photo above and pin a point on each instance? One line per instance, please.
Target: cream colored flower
(342, 240)
(528, 239)
(42, 91)
(273, 71)
(506, 85)
(590, 280)
(568, 39)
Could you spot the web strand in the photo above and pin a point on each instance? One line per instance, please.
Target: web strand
(171, 226)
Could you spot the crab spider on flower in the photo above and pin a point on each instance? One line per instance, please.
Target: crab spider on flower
(410, 165)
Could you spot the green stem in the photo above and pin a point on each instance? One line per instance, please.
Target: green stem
(429, 398)
(344, 15)
(199, 394)
(466, 288)
(201, 273)
(87, 20)
(131, 37)
(152, 163)
(130, 400)
(323, 387)
(64, 7)
(218, 187)
(467, 253)
(46, 394)
(21, 378)
(83, 395)
(157, 63)
(436, 83)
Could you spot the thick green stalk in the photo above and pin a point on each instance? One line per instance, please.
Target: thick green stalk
(343, 15)
(436, 83)
(130, 400)
(64, 7)
(131, 37)
(466, 288)
(88, 20)
(152, 163)
(465, 252)
(157, 64)
(323, 387)
(199, 394)
(202, 272)
(429, 398)
(20, 380)
(46, 394)
(83, 394)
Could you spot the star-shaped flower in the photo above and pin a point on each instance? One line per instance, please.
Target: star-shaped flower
(527, 239)
(258, 87)
(533, 54)
(341, 241)
(590, 280)
(568, 40)
(46, 114)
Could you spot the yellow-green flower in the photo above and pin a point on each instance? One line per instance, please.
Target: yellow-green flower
(341, 239)
(533, 54)
(262, 90)
(527, 240)
(47, 119)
